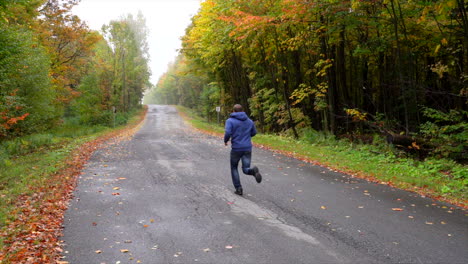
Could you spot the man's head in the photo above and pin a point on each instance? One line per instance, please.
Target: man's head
(238, 108)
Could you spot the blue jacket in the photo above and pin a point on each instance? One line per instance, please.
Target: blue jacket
(240, 129)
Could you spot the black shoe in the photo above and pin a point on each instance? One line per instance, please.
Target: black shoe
(257, 175)
(238, 191)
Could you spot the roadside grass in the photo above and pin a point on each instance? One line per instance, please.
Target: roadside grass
(28, 163)
(440, 179)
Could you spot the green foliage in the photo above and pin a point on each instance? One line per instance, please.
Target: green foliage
(24, 145)
(129, 58)
(448, 132)
(88, 106)
(314, 137)
(24, 81)
(209, 99)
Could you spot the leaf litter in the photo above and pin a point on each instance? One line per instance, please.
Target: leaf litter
(33, 234)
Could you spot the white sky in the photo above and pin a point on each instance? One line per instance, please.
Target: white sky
(166, 21)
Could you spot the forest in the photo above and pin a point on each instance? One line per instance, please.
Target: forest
(351, 69)
(55, 70)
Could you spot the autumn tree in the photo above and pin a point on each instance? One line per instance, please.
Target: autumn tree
(69, 42)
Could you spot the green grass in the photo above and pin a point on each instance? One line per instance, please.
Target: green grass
(29, 161)
(380, 162)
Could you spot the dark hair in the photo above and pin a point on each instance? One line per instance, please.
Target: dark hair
(238, 108)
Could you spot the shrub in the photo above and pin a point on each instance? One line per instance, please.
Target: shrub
(448, 132)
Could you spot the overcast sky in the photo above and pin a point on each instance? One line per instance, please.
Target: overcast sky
(165, 19)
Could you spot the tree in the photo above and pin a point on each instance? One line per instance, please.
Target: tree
(25, 93)
(127, 38)
(70, 44)
(311, 64)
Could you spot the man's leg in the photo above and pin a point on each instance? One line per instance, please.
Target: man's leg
(246, 159)
(235, 157)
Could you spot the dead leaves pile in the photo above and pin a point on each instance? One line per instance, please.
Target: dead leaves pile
(33, 236)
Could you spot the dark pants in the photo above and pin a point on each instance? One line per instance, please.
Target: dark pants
(246, 157)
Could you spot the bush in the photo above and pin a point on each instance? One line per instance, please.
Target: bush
(320, 138)
(24, 145)
(26, 90)
(447, 132)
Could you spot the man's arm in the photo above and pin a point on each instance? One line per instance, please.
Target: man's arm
(227, 132)
(253, 131)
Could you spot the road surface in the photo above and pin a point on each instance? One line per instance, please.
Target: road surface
(166, 196)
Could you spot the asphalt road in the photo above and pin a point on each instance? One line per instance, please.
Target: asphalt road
(166, 196)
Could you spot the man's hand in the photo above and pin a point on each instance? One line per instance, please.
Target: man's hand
(225, 143)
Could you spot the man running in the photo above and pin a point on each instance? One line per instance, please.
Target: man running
(240, 129)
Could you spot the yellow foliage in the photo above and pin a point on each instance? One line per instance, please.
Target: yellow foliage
(356, 115)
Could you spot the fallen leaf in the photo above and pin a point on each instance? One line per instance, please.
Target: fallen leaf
(116, 188)
(127, 241)
(145, 225)
(397, 209)
(323, 207)
(360, 207)
(443, 223)
(429, 223)
(229, 247)
(124, 250)
(122, 178)
(206, 250)
(410, 216)
(116, 193)
(152, 220)
(98, 251)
